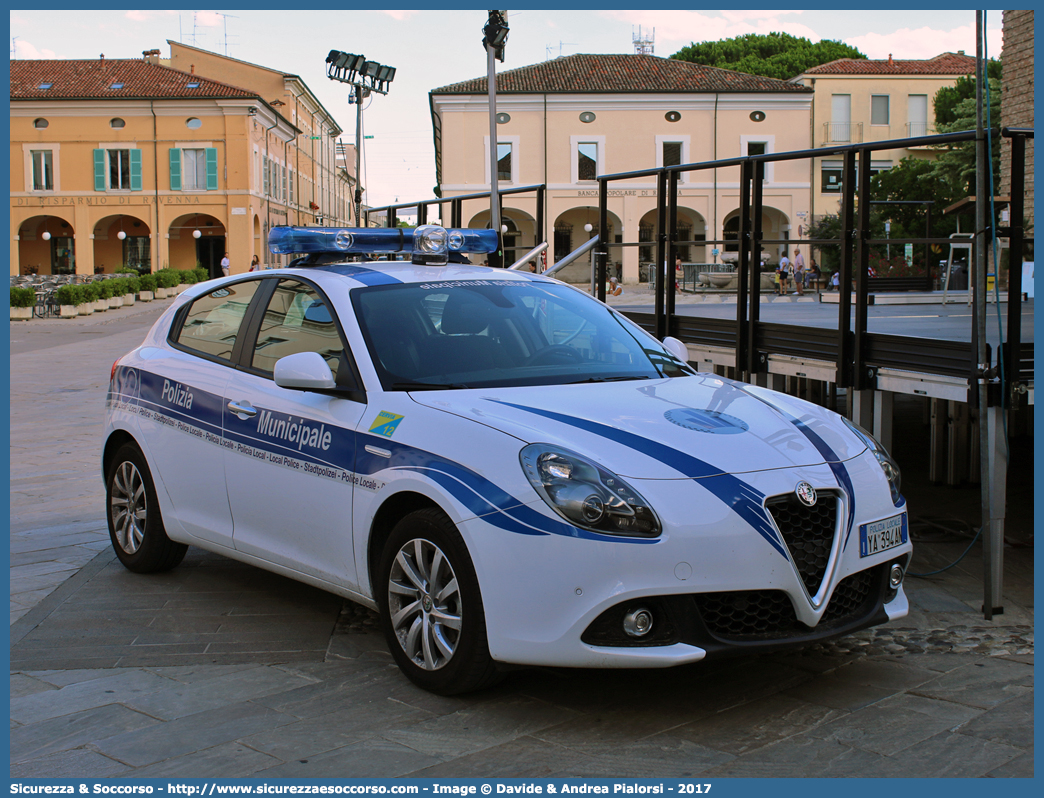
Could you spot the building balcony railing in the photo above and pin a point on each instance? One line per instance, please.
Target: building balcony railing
(915, 129)
(842, 133)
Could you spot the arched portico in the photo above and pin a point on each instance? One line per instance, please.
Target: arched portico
(521, 233)
(187, 250)
(46, 245)
(775, 224)
(122, 243)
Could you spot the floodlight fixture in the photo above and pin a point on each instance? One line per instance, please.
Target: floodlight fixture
(495, 33)
(369, 69)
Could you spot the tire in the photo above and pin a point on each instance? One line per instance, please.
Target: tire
(431, 607)
(135, 526)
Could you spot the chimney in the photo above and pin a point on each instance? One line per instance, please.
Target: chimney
(960, 52)
(890, 62)
(151, 56)
(192, 69)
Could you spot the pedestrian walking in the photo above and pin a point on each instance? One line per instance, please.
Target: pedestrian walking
(784, 268)
(255, 264)
(226, 265)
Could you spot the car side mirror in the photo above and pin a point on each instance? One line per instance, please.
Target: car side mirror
(676, 348)
(304, 370)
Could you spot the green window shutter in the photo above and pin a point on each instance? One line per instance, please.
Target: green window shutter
(175, 169)
(135, 170)
(212, 172)
(99, 170)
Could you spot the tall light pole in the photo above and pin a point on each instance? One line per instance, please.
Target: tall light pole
(494, 37)
(365, 76)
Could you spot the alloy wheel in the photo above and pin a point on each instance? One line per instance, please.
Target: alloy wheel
(424, 604)
(128, 506)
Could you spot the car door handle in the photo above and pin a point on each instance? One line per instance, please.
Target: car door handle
(243, 410)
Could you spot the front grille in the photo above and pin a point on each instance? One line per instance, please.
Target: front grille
(752, 615)
(850, 596)
(808, 533)
(748, 614)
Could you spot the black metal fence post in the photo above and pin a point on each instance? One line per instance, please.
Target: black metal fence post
(755, 364)
(860, 377)
(661, 253)
(844, 305)
(602, 248)
(744, 333)
(672, 237)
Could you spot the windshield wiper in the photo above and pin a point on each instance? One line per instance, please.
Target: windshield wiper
(426, 386)
(618, 378)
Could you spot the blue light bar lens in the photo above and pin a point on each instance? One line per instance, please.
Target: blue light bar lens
(377, 240)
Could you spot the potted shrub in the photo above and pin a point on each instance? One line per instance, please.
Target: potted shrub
(90, 297)
(69, 298)
(23, 300)
(115, 285)
(131, 285)
(167, 281)
(104, 292)
(146, 287)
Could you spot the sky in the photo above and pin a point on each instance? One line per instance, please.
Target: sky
(435, 48)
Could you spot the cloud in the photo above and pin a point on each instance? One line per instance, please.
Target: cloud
(145, 16)
(907, 43)
(674, 27)
(739, 16)
(26, 50)
(400, 16)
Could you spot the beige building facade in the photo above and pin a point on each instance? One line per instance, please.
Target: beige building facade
(865, 100)
(127, 164)
(565, 121)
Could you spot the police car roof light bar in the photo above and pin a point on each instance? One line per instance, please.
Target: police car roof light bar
(377, 240)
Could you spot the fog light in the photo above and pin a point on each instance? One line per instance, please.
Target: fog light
(895, 576)
(638, 623)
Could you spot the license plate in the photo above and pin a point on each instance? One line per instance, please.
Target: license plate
(882, 535)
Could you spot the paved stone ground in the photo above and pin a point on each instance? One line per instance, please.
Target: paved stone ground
(219, 669)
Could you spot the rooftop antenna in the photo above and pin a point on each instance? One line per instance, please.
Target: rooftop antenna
(190, 36)
(224, 19)
(561, 44)
(644, 44)
(14, 46)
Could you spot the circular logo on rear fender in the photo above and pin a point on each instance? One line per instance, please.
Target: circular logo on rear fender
(806, 494)
(706, 421)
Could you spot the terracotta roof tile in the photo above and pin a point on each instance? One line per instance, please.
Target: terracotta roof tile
(945, 64)
(93, 79)
(621, 74)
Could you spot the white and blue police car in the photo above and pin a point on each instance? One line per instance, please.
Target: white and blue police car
(509, 471)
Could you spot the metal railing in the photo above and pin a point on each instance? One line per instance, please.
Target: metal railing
(842, 132)
(857, 354)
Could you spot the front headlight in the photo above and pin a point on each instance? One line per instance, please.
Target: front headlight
(888, 465)
(585, 494)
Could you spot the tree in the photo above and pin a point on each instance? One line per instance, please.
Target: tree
(946, 99)
(956, 166)
(772, 55)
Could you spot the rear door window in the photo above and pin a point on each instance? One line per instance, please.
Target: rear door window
(213, 322)
(297, 320)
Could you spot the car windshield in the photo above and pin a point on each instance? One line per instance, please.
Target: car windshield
(495, 333)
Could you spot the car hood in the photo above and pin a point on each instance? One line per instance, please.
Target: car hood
(661, 429)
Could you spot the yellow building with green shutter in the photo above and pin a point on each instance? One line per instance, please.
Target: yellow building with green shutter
(128, 164)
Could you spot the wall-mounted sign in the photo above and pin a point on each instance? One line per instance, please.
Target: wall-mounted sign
(503, 119)
(587, 116)
(672, 116)
(757, 116)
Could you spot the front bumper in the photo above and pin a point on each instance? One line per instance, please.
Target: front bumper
(715, 585)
